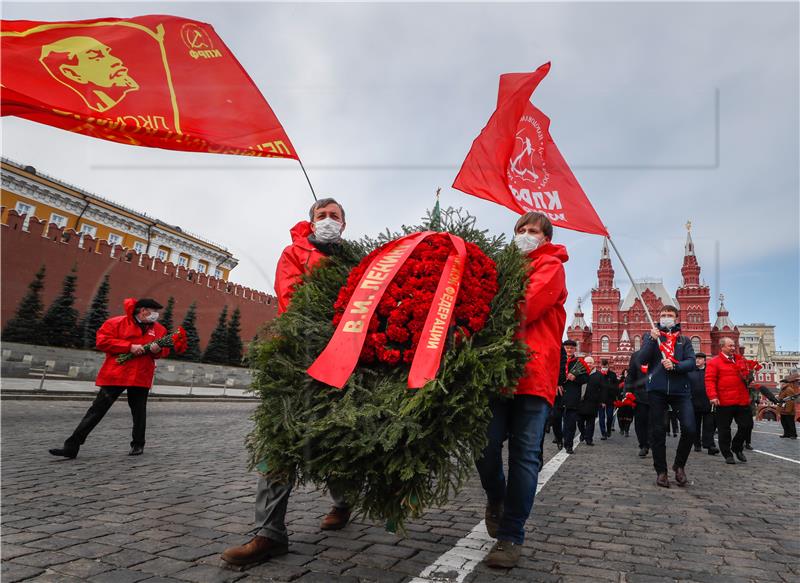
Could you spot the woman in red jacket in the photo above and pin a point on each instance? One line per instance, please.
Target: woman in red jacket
(522, 419)
(121, 335)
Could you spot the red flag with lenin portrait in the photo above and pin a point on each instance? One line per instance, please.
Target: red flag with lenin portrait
(514, 161)
(156, 81)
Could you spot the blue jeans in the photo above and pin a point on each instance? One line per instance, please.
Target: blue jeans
(520, 420)
(606, 415)
(682, 404)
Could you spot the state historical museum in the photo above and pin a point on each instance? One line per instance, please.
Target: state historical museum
(618, 325)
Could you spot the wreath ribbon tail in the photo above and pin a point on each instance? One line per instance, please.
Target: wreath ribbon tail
(428, 355)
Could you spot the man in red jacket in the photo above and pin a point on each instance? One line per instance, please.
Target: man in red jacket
(121, 335)
(311, 242)
(521, 420)
(726, 386)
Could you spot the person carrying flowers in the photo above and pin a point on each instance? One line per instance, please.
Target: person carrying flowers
(132, 344)
(312, 241)
(522, 418)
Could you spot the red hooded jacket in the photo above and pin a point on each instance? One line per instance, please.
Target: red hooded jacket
(542, 320)
(725, 380)
(296, 260)
(115, 337)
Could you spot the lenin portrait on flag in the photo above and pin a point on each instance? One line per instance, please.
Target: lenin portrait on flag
(86, 66)
(111, 70)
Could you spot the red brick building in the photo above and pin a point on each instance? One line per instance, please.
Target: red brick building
(619, 324)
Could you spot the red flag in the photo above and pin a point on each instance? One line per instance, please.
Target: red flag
(514, 161)
(157, 81)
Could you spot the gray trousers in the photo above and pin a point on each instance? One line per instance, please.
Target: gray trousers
(272, 498)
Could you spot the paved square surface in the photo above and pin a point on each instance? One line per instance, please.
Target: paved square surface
(167, 515)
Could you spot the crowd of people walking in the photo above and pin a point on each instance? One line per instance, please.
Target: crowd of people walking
(668, 388)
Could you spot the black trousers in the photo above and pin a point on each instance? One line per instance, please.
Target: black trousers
(682, 405)
(672, 420)
(789, 429)
(137, 401)
(641, 420)
(706, 426)
(744, 424)
(586, 426)
(557, 420)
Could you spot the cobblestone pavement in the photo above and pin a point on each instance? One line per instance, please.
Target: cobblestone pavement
(166, 516)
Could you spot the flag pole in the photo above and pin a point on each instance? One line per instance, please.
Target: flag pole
(633, 283)
(314, 194)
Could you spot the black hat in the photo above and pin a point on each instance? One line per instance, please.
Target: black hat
(699, 354)
(569, 343)
(147, 303)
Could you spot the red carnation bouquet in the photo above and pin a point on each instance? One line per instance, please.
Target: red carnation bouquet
(177, 341)
(397, 324)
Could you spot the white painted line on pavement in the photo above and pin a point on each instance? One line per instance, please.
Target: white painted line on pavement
(780, 457)
(776, 434)
(456, 564)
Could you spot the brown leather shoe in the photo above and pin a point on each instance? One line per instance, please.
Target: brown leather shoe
(336, 519)
(680, 476)
(662, 480)
(257, 550)
(504, 554)
(492, 516)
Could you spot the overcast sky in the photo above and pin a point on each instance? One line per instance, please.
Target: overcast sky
(382, 102)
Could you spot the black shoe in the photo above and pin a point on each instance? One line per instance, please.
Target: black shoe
(560, 445)
(569, 450)
(697, 448)
(555, 440)
(136, 450)
(748, 446)
(590, 443)
(603, 438)
(674, 435)
(713, 451)
(740, 456)
(643, 452)
(64, 452)
(729, 460)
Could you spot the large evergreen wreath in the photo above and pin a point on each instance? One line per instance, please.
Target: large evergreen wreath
(391, 450)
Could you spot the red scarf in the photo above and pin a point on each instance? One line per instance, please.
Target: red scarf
(667, 345)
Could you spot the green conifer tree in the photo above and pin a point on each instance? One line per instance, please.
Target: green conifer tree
(26, 325)
(217, 348)
(97, 314)
(60, 322)
(167, 314)
(235, 347)
(189, 324)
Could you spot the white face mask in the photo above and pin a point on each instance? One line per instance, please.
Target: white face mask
(327, 230)
(667, 322)
(151, 317)
(526, 242)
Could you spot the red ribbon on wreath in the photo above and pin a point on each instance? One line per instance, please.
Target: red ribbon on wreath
(339, 358)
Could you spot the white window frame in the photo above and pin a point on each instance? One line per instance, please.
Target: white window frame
(139, 247)
(87, 229)
(110, 242)
(58, 220)
(605, 344)
(28, 214)
(218, 273)
(162, 254)
(182, 261)
(201, 267)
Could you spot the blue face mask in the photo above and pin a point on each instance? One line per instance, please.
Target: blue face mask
(667, 322)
